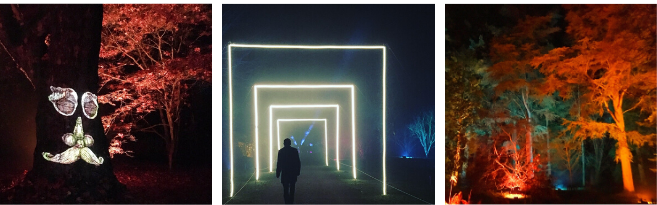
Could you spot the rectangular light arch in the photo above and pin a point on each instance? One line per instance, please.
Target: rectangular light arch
(278, 140)
(353, 118)
(278, 130)
(230, 93)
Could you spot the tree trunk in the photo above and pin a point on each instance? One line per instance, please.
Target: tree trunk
(549, 162)
(579, 112)
(515, 145)
(583, 163)
(570, 175)
(528, 128)
(623, 146)
(642, 174)
(167, 136)
(68, 60)
(624, 151)
(598, 148)
(528, 149)
(172, 144)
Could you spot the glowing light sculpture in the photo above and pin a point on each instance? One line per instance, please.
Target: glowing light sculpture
(80, 148)
(89, 105)
(65, 100)
(278, 131)
(278, 139)
(353, 120)
(230, 93)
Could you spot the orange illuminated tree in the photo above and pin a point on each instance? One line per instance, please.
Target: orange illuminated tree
(151, 57)
(511, 54)
(612, 60)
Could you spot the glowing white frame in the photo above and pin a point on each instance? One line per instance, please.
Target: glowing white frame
(353, 120)
(230, 93)
(278, 131)
(278, 139)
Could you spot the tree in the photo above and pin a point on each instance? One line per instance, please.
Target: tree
(568, 155)
(463, 99)
(551, 111)
(511, 54)
(152, 58)
(58, 45)
(423, 129)
(597, 156)
(612, 60)
(509, 168)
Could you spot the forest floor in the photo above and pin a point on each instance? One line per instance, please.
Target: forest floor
(154, 183)
(568, 197)
(151, 183)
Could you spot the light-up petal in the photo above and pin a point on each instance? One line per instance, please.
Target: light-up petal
(67, 157)
(68, 139)
(65, 100)
(88, 140)
(89, 105)
(80, 143)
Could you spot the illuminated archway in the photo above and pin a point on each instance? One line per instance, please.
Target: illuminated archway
(278, 131)
(278, 139)
(255, 105)
(230, 96)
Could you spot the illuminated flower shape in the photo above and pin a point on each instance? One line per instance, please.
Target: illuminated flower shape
(80, 148)
(89, 105)
(65, 100)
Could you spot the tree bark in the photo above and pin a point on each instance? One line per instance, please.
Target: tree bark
(623, 148)
(69, 61)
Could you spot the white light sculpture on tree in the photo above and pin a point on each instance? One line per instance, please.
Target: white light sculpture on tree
(230, 96)
(65, 100)
(80, 148)
(89, 105)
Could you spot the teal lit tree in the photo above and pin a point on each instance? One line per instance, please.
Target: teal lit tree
(423, 128)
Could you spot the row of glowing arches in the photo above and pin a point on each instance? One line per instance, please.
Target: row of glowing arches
(278, 135)
(230, 85)
(255, 99)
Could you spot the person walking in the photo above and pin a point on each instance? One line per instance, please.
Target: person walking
(288, 167)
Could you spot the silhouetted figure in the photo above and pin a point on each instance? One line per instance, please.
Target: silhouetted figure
(290, 166)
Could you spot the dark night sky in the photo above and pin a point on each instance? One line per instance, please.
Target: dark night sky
(408, 30)
(465, 22)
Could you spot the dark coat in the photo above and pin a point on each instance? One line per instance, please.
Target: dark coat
(288, 164)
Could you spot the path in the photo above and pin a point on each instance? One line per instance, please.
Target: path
(319, 185)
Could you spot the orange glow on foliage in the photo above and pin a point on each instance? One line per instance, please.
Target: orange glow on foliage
(457, 199)
(514, 196)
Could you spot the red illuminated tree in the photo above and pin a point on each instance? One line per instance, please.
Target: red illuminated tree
(152, 58)
(509, 168)
(58, 45)
(613, 61)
